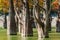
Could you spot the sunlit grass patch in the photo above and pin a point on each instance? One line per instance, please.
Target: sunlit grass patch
(53, 35)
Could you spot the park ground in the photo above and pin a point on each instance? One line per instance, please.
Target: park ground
(53, 35)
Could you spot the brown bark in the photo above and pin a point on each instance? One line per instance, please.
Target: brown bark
(48, 9)
(5, 21)
(13, 27)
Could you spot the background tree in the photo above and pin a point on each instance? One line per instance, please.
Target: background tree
(48, 9)
(27, 28)
(36, 9)
(5, 7)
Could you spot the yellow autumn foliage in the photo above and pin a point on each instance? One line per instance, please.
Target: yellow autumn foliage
(4, 4)
(1, 4)
(41, 2)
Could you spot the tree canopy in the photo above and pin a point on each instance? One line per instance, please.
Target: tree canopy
(4, 4)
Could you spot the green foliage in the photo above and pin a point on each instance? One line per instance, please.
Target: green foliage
(53, 0)
(1, 12)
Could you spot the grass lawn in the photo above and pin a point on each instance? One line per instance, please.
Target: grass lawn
(52, 36)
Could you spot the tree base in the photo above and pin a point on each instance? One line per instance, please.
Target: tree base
(30, 35)
(5, 27)
(13, 34)
(46, 36)
(26, 35)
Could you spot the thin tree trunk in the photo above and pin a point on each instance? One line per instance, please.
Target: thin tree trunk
(49, 23)
(5, 21)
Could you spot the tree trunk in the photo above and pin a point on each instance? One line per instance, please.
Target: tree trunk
(58, 21)
(27, 28)
(46, 27)
(49, 23)
(13, 27)
(29, 23)
(32, 18)
(5, 21)
(38, 22)
(48, 9)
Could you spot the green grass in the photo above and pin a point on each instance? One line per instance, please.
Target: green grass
(3, 34)
(52, 35)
